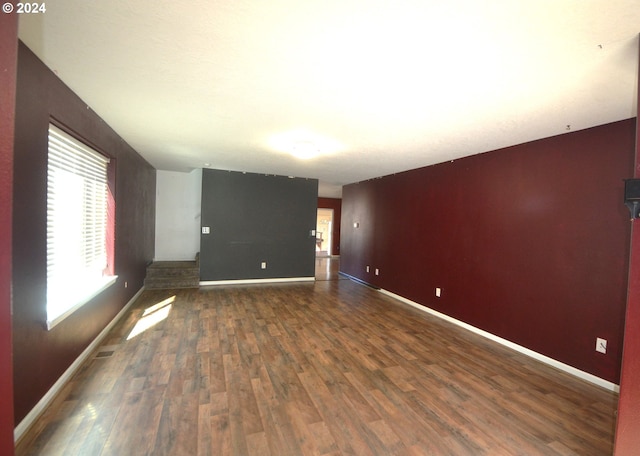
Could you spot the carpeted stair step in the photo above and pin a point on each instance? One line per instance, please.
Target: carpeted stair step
(173, 274)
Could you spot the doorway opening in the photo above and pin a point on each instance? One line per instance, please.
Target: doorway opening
(324, 225)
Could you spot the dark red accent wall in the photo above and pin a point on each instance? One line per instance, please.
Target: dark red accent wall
(336, 205)
(8, 56)
(628, 425)
(529, 243)
(41, 356)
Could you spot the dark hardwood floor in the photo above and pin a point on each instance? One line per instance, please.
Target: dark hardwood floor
(327, 268)
(325, 368)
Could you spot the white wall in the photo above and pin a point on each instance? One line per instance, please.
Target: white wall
(178, 215)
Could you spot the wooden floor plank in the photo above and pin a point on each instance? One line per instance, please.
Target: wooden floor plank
(325, 368)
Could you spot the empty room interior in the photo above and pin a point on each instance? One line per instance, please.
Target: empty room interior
(320, 228)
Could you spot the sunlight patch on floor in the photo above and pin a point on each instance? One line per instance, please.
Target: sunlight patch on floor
(152, 316)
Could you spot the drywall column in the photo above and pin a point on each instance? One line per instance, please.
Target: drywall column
(8, 69)
(628, 426)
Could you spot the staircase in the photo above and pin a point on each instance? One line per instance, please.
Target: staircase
(173, 274)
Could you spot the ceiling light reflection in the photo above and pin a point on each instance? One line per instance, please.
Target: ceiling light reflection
(305, 144)
(305, 150)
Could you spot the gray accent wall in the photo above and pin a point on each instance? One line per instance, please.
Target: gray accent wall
(255, 219)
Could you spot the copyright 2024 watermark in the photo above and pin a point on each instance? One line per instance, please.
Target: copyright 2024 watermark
(24, 8)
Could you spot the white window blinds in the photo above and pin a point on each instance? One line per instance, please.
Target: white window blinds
(77, 203)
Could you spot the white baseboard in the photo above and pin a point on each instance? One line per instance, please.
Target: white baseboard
(254, 281)
(43, 403)
(519, 348)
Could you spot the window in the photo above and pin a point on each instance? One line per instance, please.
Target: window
(77, 225)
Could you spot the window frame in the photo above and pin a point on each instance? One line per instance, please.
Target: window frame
(109, 277)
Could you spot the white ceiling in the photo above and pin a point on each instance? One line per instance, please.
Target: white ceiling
(376, 86)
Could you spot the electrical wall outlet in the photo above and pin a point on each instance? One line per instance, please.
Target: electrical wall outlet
(377, 271)
(438, 292)
(601, 345)
(367, 268)
(263, 265)
(206, 230)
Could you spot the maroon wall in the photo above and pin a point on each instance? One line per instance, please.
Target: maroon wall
(628, 425)
(336, 205)
(8, 55)
(41, 356)
(529, 243)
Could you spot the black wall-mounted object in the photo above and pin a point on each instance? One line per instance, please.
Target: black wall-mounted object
(632, 196)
